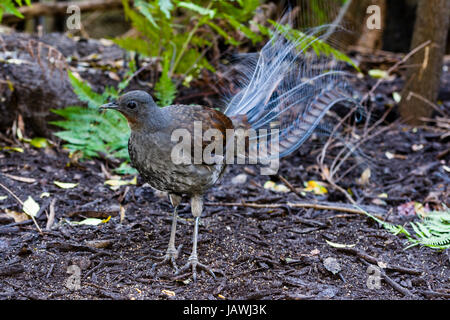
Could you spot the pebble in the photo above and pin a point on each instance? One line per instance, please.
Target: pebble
(239, 179)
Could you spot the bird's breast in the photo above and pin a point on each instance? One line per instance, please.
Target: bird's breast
(151, 155)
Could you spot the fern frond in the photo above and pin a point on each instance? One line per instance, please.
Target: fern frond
(315, 43)
(165, 90)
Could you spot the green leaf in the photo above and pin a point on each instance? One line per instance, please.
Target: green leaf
(9, 7)
(165, 6)
(85, 93)
(307, 42)
(165, 90)
(245, 30)
(39, 142)
(203, 11)
(146, 10)
(229, 39)
(378, 74)
(136, 44)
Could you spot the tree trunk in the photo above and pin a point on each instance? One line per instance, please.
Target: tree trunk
(372, 39)
(423, 77)
(355, 21)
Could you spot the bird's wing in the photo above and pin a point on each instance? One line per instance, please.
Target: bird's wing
(196, 117)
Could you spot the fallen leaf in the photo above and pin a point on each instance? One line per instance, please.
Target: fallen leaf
(365, 178)
(379, 202)
(270, 185)
(44, 195)
(397, 97)
(389, 155)
(91, 221)
(16, 149)
(340, 245)
(99, 244)
(31, 207)
(39, 142)
(315, 187)
(412, 208)
(3, 198)
(378, 74)
(421, 210)
(65, 185)
(21, 179)
(168, 293)
(122, 213)
(117, 183)
(17, 216)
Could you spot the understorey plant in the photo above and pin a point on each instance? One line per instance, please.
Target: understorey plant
(177, 35)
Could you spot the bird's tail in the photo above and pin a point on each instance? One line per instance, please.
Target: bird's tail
(289, 87)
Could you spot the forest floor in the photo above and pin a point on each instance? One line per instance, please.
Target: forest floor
(256, 251)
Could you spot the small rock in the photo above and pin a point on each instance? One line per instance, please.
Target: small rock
(99, 244)
(239, 179)
(328, 293)
(332, 265)
(4, 245)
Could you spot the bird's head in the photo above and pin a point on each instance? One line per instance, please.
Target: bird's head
(136, 106)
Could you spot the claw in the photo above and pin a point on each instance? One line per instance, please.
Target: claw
(168, 258)
(193, 262)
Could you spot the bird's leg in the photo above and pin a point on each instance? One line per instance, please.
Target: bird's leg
(172, 252)
(197, 207)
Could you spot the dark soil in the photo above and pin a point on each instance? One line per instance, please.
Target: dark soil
(256, 253)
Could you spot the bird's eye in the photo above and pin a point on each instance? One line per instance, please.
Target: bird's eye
(131, 105)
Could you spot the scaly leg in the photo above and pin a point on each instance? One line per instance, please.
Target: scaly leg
(197, 207)
(172, 252)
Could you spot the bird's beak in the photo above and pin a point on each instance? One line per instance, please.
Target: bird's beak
(111, 105)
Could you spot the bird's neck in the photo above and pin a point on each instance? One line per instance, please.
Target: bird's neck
(153, 121)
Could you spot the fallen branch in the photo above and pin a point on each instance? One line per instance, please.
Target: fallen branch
(369, 260)
(361, 254)
(51, 217)
(60, 8)
(319, 206)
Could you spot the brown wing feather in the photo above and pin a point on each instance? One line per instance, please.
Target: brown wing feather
(185, 116)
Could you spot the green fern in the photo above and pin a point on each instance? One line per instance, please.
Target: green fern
(9, 6)
(91, 132)
(433, 231)
(165, 90)
(307, 42)
(176, 29)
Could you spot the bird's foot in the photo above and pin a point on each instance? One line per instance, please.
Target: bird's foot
(193, 262)
(169, 258)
